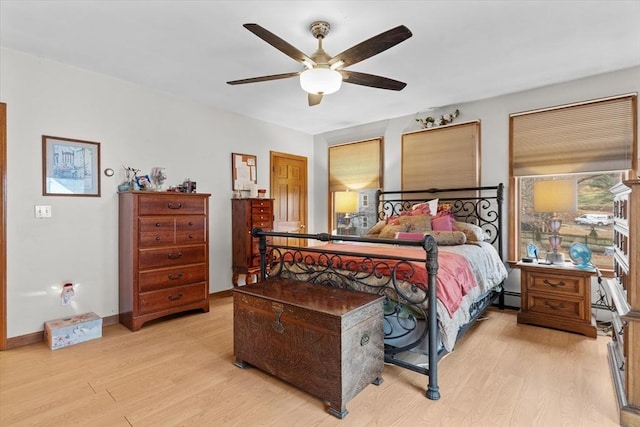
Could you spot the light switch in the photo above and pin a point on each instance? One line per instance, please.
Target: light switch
(43, 211)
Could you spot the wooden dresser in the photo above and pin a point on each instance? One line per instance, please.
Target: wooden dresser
(624, 350)
(326, 341)
(556, 296)
(245, 215)
(164, 255)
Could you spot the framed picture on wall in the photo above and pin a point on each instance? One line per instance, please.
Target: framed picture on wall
(244, 167)
(70, 167)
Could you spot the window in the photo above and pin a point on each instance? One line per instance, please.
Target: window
(594, 145)
(589, 221)
(355, 174)
(441, 157)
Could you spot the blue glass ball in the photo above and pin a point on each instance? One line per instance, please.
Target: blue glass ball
(580, 254)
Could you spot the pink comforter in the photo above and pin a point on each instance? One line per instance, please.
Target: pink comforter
(453, 281)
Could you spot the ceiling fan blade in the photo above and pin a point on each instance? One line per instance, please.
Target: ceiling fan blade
(264, 78)
(372, 46)
(371, 80)
(314, 99)
(280, 44)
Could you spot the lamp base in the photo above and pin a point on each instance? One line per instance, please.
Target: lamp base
(555, 257)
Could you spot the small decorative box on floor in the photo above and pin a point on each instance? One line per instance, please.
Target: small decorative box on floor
(72, 330)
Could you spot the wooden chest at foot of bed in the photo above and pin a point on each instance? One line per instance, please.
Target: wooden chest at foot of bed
(325, 341)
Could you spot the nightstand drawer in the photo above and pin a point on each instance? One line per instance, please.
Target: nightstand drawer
(566, 308)
(554, 283)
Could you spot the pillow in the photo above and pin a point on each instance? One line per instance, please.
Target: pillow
(389, 230)
(449, 238)
(416, 223)
(376, 229)
(431, 204)
(473, 232)
(444, 221)
(443, 238)
(445, 207)
(406, 235)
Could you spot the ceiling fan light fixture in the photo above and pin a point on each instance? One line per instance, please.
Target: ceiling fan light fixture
(320, 81)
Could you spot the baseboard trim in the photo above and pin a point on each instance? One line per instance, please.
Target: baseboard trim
(37, 337)
(27, 339)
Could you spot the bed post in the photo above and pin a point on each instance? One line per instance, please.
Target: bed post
(431, 247)
(499, 199)
(262, 248)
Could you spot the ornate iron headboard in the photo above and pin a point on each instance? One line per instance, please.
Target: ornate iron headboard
(481, 206)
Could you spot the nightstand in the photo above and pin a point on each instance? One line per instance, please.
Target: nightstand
(556, 296)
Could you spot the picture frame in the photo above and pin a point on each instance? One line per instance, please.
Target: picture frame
(245, 171)
(70, 167)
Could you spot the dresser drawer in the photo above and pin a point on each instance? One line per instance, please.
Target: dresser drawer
(174, 204)
(151, 302)
(567, 308)
(554, 283)
(260, 204)
(147, 225)
(171, 256)
(190, 229)
(157, 238)
(171, 277)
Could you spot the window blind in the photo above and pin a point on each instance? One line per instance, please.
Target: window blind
(356, 166)
(596, 136)
(442, 157)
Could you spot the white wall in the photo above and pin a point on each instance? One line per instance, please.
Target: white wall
(493, 114)
(135, 127)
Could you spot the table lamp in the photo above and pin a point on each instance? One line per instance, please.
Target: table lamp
(346, 203)
(555, 196)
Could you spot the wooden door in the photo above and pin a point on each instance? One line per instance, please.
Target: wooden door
(289, 191)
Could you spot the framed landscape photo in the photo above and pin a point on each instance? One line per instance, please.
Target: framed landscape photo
(244, 171)
(70, 167)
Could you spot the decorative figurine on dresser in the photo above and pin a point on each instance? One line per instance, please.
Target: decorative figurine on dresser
(164, 255)
(624, 350)
(246, 214)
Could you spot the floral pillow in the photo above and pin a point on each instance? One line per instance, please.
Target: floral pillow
(416, 223)
(389, 230)
(376, 229)
(473, 232)
(442, 238)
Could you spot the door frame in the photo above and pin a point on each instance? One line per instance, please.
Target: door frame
(3, 226)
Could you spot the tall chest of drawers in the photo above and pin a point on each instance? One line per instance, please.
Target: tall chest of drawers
(164, 255)
(624, 350)
(246, 214)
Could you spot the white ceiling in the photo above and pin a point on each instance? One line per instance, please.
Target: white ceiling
(460, 50)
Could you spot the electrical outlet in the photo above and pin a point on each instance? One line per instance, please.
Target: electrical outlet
(43, 211)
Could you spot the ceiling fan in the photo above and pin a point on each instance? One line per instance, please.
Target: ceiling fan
(324, 74)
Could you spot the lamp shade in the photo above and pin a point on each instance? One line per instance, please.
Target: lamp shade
(555, 196)
(320, 81)
(346, 201)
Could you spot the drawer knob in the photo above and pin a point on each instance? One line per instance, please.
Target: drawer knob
(170, 255)
(157, 224)
(175, 297)
(172, 206)
(191, 236)
(190, 223)
(553, 285)
(158, 238)
(170, 276)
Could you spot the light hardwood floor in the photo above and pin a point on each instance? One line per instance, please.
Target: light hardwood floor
(180, 372)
